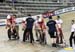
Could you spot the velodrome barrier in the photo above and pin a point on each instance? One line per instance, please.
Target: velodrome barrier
(65, 10)
(2, 22)
(57, 12)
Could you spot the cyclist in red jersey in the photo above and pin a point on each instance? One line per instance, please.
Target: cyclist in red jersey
(23, 24)
(24, 28)
(11, 24)
(42, 29)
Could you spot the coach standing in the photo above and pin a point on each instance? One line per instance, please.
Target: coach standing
(29, 27)
(52, 30)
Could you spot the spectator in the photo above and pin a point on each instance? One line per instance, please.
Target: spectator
(72, 34)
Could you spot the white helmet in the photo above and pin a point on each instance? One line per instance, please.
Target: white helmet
(8, 17)
(24, 19)
(40, 19)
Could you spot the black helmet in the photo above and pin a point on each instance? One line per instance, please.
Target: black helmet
(50, 17)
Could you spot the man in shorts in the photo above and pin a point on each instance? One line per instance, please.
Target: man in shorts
(51, 24)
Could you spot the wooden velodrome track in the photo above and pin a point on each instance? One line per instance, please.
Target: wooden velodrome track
(19, 46)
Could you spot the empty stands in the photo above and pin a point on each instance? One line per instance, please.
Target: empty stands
(23, 7)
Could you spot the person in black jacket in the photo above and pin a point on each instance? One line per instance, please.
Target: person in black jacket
(51, 24)
(29, 28)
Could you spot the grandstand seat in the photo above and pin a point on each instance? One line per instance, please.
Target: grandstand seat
(23, 7)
